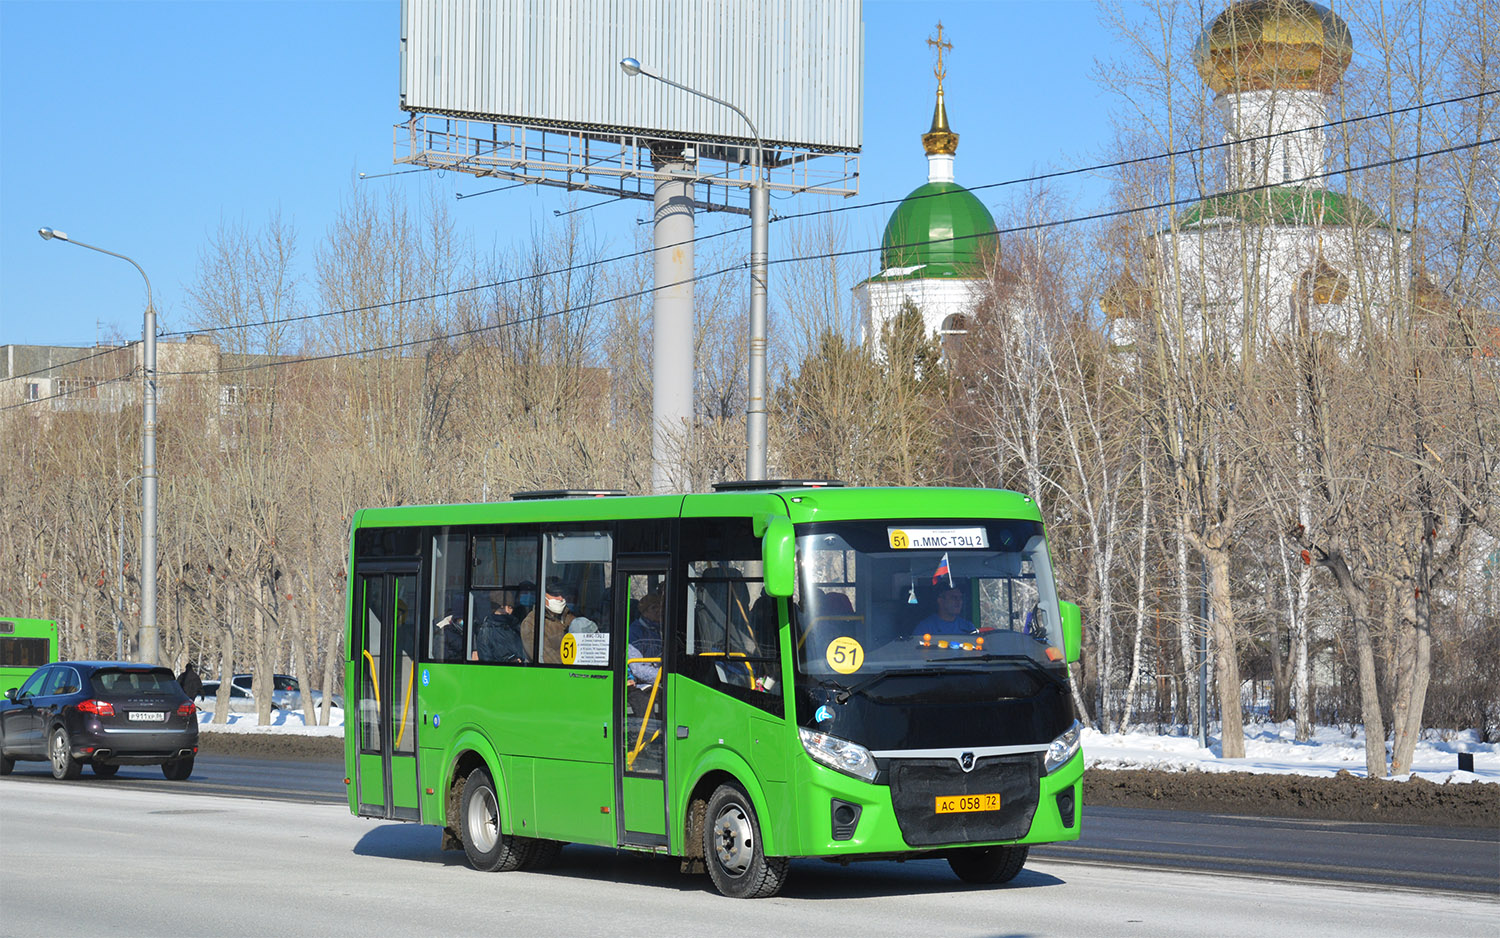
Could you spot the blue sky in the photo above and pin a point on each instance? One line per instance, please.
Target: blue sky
(140, 126)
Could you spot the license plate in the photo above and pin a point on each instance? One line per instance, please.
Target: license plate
(148, 716)
(957, 804)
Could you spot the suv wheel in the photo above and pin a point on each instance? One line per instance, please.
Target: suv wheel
(177, 770)
(64, 766)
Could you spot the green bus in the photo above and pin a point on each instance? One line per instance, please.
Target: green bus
(25, 645)
(770, 671)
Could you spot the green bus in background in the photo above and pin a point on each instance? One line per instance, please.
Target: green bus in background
(25, 645)
(775, 670)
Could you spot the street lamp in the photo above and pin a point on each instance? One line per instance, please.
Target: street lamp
(755, 406)
(148, 644)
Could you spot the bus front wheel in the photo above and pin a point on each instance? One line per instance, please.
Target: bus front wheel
(732, 849)
(988, 866)
(488, 848)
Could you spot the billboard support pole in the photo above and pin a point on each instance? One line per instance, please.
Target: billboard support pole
(755, 403)
(672, 362)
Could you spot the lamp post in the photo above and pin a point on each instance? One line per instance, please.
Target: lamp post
(755, 406)
(148, 643)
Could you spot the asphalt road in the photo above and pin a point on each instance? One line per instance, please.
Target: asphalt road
(1401, 856)
(117, 859)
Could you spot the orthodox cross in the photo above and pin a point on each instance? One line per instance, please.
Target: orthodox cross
(938, 44)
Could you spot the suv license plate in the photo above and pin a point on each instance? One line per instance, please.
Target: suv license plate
(957, 804)
(148, 716)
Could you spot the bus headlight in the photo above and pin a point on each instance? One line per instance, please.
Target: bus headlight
(1064, 747)
(849, 758)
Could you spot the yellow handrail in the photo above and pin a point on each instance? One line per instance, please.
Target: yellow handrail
(640, 740)
(374, 679)
(405, 706)
(729, 654)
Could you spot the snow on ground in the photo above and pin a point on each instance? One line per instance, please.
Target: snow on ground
(282, 721)
(1270, 748)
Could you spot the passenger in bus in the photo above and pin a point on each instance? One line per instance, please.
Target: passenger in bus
(499, 635)
(644, 641)
(949, 614)
(557, 621)
(448, 637)
(525, 600)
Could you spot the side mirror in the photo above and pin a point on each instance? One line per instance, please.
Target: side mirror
(12, 694)
(778, 554)
(1072, 629)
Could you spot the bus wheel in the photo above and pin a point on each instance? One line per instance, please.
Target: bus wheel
(488, 849)
(988, 866)
(732, 848)
(541, 854)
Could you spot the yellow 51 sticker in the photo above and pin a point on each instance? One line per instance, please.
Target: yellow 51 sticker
(569, 649)
(845, 655)
(899, 539)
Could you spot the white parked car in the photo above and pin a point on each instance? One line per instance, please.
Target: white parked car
(286, 692)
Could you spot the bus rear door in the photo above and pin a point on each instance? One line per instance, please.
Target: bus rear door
(386, 648)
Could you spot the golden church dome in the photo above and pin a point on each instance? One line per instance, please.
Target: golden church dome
(1261, 44)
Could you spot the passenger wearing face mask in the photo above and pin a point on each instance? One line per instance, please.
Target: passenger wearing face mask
(525, 600)
(558, 621)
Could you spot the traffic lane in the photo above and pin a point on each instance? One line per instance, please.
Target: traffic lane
(240, 866)
(314, 782)
(1461, 859)
(1465, 859)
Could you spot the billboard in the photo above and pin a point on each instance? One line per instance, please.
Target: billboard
(794, 66)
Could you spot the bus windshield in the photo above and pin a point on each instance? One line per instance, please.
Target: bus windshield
(886, 607)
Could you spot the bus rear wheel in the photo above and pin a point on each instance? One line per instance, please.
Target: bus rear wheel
(988, 866)
(486, 845)
(732, 848)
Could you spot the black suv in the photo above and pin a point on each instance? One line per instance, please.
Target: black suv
(101, 713)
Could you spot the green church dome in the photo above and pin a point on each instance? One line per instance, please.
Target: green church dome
(940, 225)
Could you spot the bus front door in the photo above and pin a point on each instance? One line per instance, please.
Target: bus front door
(386, 632)
(643, 602)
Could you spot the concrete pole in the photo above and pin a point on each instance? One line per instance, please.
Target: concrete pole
(672, 363)
(755, 406)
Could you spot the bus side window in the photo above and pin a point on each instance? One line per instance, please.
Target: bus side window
(574, 601)
(502, 592)
(730, 634)
(449, 623)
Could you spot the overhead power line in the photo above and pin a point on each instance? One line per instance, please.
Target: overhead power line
(1156, 206)
(1136, 160)
(586, 265)
(71, 391)
(1033, 226)
(101, 352)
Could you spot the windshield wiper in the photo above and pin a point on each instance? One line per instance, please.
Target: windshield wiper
(860, 687)
(832, 685)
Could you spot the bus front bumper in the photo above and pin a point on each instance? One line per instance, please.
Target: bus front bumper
(841, 816)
